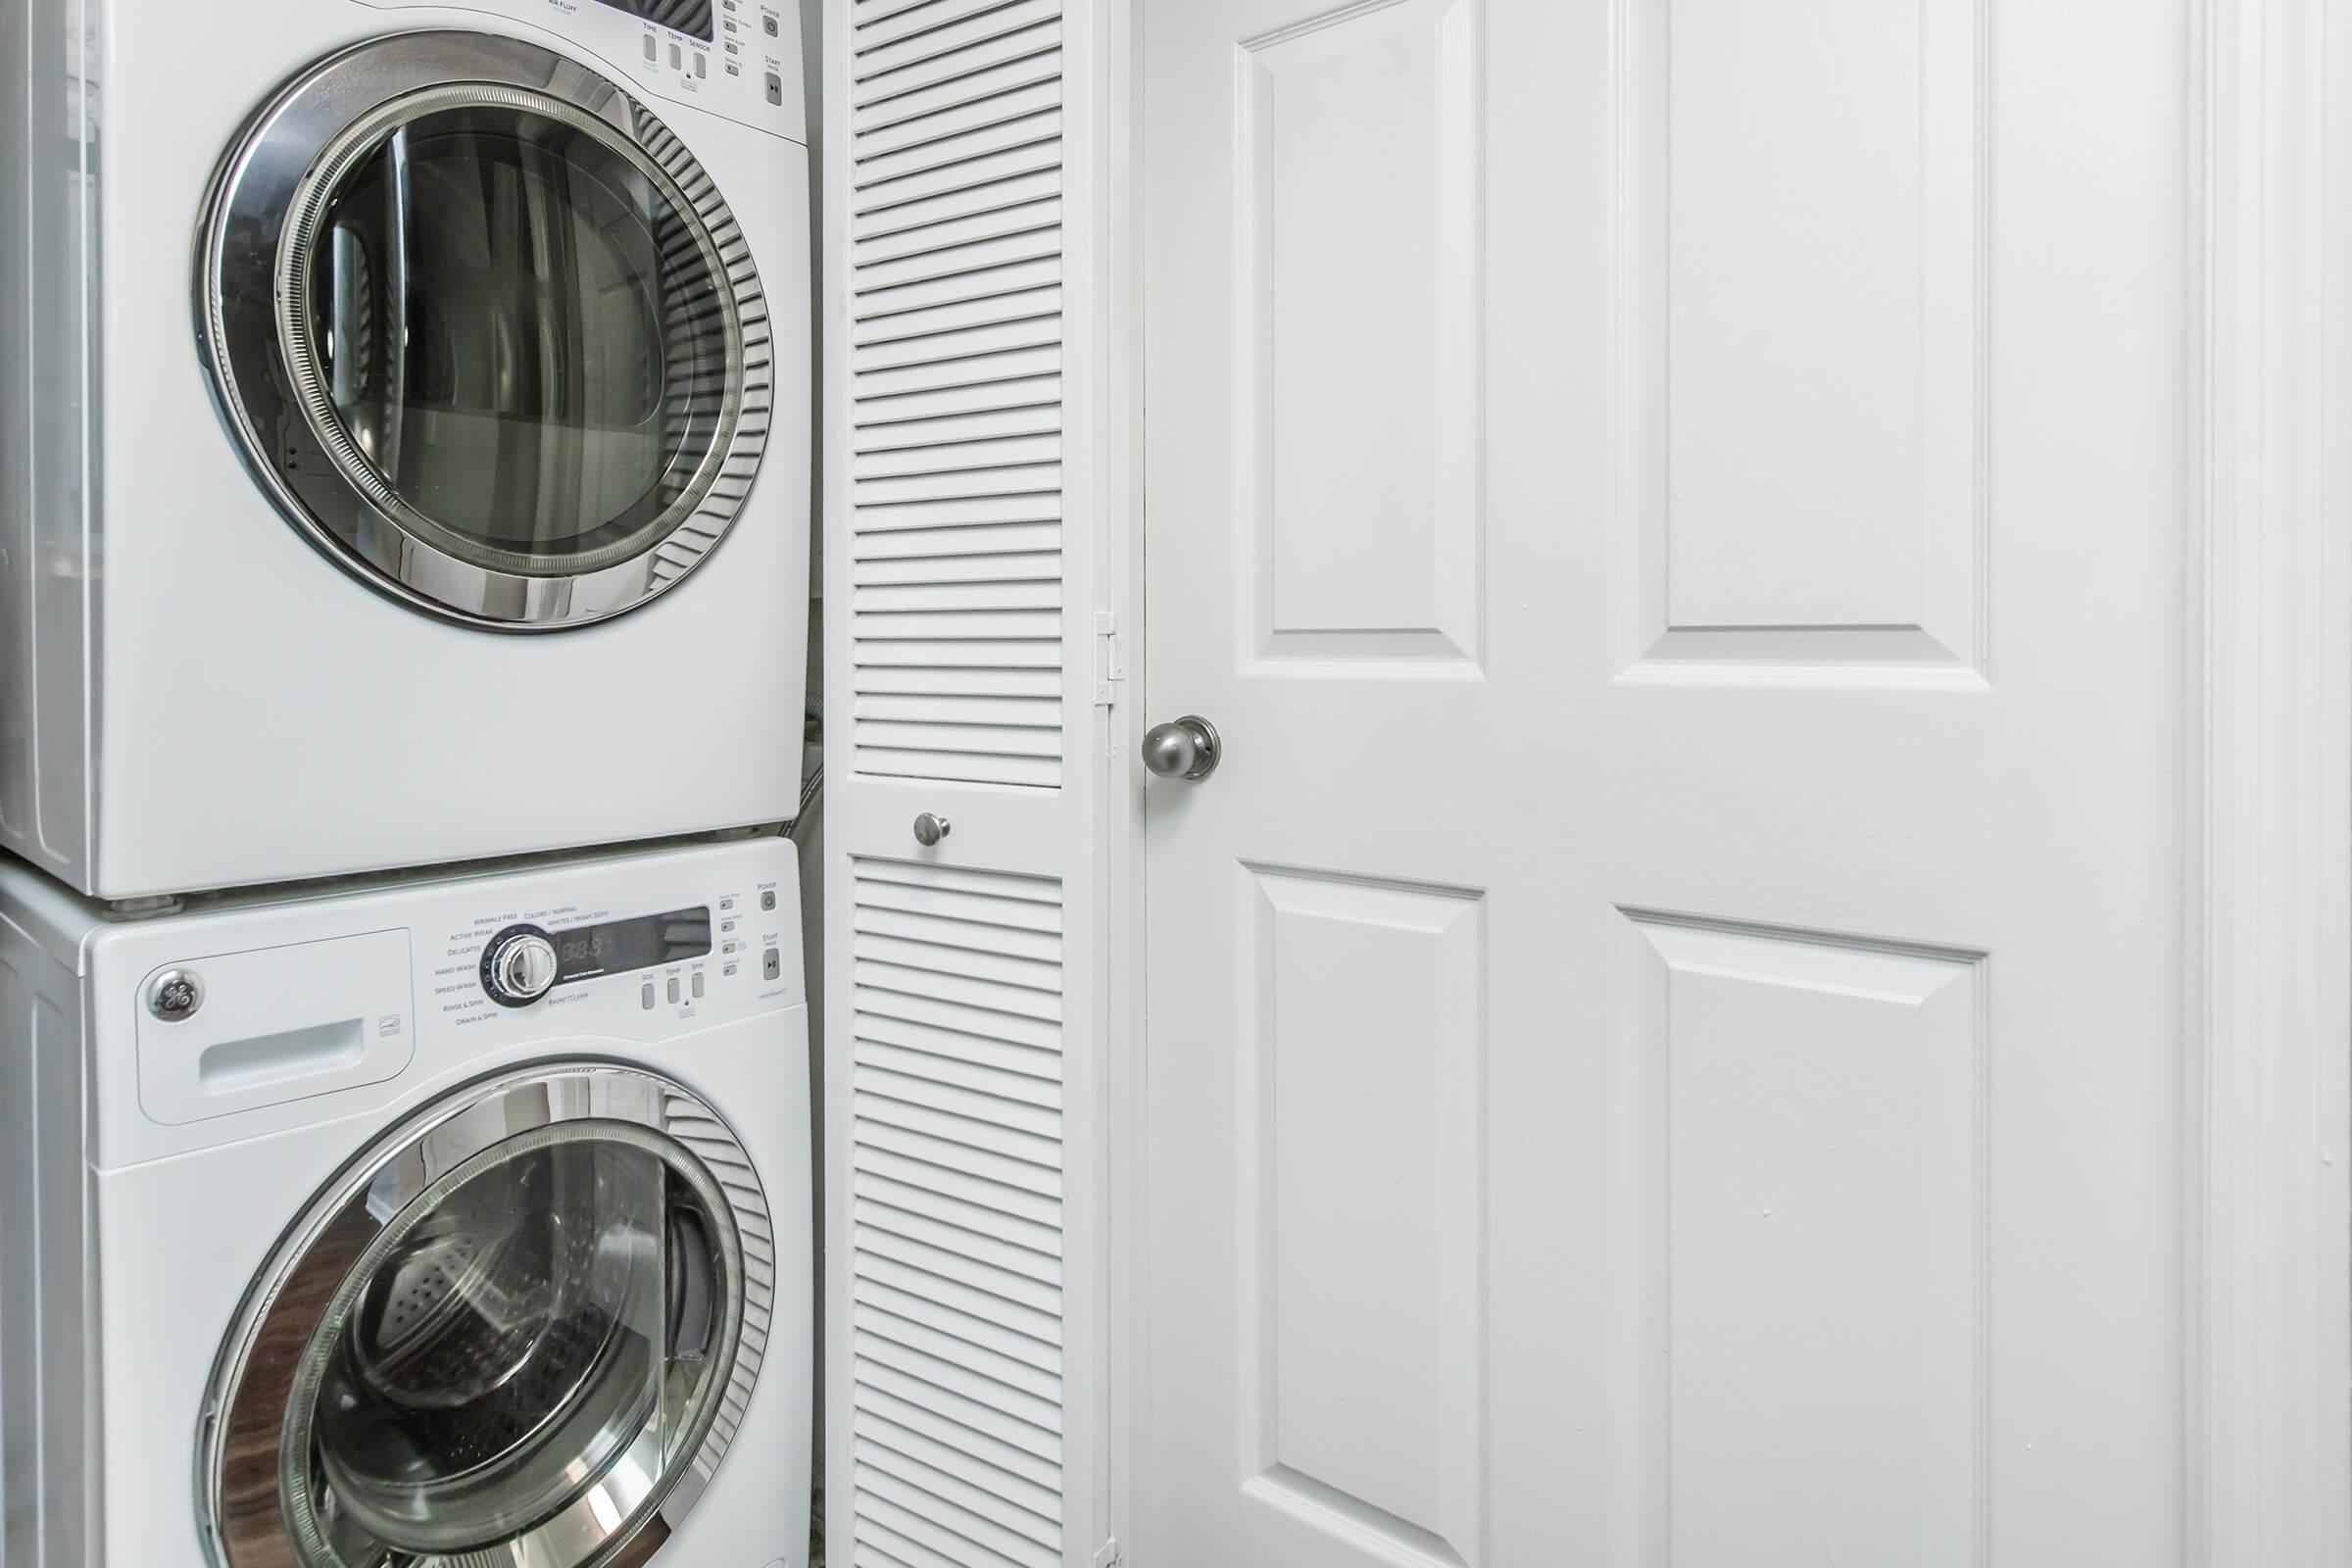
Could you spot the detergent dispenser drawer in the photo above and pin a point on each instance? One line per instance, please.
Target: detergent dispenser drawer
(238, 1031)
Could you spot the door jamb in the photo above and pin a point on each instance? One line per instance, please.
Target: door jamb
(2268, 993)
(1113, 28)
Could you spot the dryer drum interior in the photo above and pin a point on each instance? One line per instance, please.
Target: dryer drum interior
(485, 329)
(514, 1328)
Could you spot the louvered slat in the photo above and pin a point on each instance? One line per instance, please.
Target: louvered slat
(953, 247)
(955, 1207)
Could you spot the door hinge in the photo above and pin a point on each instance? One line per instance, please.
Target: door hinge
(1111, 659)
(1110, 1556)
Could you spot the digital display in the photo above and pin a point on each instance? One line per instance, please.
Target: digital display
(691, 17)
(585, 952)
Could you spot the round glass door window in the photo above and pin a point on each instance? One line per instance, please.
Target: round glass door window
(496, 1344)
(486, 330)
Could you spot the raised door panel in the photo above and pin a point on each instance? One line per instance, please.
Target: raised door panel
(1813, 1179)
(1800, 331)
(1360, 1225)
(1359, 253)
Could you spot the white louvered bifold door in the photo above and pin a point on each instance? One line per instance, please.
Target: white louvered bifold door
(955, 346)
(963, 1019)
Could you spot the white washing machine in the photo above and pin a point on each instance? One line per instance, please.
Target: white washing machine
(405, 458)
(464, 1224)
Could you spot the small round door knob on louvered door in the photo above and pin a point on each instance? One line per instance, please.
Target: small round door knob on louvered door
(1187, 749)
(930, 829)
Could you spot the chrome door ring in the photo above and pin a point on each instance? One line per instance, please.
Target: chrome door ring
(243, 1516)
(252, 276)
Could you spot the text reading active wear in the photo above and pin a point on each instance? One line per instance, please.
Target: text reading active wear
(487, 332)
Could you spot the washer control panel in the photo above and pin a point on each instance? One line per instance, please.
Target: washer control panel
(630, 960)
(307, 1008)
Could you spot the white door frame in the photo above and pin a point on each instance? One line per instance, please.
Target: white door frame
(2268, 1099)
(2267, 1090)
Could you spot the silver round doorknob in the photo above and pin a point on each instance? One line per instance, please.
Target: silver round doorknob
(1187, 749)
(930, 829)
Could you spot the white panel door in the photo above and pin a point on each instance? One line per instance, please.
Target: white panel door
(1665, 1029)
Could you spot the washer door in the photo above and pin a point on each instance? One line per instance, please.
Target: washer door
(520, 1329)
(485, 329)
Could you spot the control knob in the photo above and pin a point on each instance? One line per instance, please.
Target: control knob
(519, 967)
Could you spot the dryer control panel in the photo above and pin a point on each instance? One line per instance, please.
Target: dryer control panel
(737, 58)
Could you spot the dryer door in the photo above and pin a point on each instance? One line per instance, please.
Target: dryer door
(523, 1325)
(485, 329)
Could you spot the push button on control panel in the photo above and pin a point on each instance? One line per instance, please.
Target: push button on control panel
(771, 965)
(698, 982)
(673, 987)
(775, 95)
(646, 997)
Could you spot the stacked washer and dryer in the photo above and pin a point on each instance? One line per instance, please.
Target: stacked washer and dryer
(403, 536)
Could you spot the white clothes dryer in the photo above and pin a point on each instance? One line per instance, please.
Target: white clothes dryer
(462, 1222)
(408, 458)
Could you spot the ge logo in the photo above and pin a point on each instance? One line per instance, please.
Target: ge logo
(175, 995)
